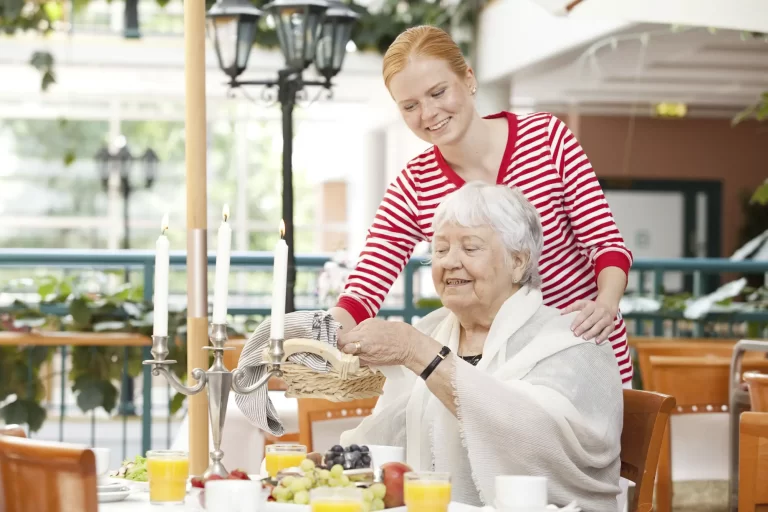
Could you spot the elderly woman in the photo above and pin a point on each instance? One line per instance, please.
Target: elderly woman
(494, 383)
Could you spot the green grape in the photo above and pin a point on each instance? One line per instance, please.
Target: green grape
(325, 474)
(367, 495)
(344, 479)
(308, 483)
(366, 506)
(377, 504)
(279, 492)
(307, 465)
(379, 490)
(287, 481)
(301, 498)
(298, 485)
(333, 482)
(337, 471)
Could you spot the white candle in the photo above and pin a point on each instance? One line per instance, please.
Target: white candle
(162, 266)
(221, 287)
(280, 273)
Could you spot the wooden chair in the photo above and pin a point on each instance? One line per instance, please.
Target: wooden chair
(13, 430)
(646, 415)
(753, 462)
(45, 476)
(758, 390)
(313, 410)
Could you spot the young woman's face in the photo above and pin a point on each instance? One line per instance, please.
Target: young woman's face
(435, 103)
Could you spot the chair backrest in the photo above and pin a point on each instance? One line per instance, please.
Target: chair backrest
(694, 347)
(13, 430)
(753, 462)
(313, 410)
(758, 390)
(645, 418)
(46, 476)
(699, 384)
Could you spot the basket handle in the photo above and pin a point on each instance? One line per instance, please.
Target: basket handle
(341, 362)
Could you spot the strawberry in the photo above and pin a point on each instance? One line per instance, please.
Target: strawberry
(238, 474)
(214, 477)
(198, 482)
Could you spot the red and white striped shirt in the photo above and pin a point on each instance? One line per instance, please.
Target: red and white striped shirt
(546, 163)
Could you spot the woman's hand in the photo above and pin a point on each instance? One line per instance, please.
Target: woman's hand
(380, 342)
(594, 321)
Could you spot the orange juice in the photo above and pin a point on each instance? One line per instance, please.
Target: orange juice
(426, 495)
(168, 472)
(336, 506)
(282, 456)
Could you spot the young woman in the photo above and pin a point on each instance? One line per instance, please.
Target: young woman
(584, 262)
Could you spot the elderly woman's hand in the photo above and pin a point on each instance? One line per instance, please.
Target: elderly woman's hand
(380, 342)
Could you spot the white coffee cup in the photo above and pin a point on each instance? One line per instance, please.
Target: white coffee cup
(233, 496)
(519, 492)
(381, 454)
(102, 463)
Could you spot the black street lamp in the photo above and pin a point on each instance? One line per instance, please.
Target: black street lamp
(124, 160)
(309, 31)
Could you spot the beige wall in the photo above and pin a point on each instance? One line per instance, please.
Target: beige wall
(687, 149)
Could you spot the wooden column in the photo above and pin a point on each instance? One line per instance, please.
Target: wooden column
(197, 264)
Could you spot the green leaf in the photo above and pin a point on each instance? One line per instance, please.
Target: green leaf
(24, 412)
(80, 312)
(91, 395)
(761, 195)
(110, 395)
(176, 402)
(69, 158)
(47, 80)
(46, 287)
(132, 310)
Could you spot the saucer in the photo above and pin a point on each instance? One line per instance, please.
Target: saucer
(110, 487)
(112, 496)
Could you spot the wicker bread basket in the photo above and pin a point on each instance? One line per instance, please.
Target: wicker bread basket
(345, 381)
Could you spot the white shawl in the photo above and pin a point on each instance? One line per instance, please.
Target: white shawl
(540, 402)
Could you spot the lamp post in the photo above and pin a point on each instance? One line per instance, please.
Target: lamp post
(309, 31)
(124, 161)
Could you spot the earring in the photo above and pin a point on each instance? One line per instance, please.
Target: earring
(474, 90)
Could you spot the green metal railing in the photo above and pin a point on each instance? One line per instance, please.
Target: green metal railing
(408, 309)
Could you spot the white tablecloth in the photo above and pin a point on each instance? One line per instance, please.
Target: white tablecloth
(139, 502)
(242, 443)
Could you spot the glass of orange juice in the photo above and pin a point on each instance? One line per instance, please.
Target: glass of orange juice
(168, 471)
(426, 491)
(336, 499)
(282, 456)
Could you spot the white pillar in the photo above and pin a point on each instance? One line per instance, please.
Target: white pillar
(241, 171)
(114, 201)
(366, 188)
(493, 97)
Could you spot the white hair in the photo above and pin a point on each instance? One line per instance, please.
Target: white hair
(506, 211)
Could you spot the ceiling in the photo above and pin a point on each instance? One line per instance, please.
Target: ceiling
(714, 73)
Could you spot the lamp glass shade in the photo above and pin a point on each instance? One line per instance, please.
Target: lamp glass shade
(335, 33)
(232, 28)
(298, 27)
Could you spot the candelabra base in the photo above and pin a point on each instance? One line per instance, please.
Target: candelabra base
(216, 467)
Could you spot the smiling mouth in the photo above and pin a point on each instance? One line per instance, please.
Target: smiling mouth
(456, 282)
(438, 126)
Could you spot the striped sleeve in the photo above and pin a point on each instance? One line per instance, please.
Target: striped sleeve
(388, 247)
(594, 227)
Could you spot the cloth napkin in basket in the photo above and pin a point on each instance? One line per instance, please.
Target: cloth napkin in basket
(257, 407)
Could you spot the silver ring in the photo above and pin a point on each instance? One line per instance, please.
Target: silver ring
(357, 348)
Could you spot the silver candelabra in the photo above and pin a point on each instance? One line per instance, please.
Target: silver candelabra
(217, 380)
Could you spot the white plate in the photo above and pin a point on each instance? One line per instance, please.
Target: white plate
(109, 497)
(115, 486)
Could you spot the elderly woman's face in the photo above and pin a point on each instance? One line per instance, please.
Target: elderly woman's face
(469, 268)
